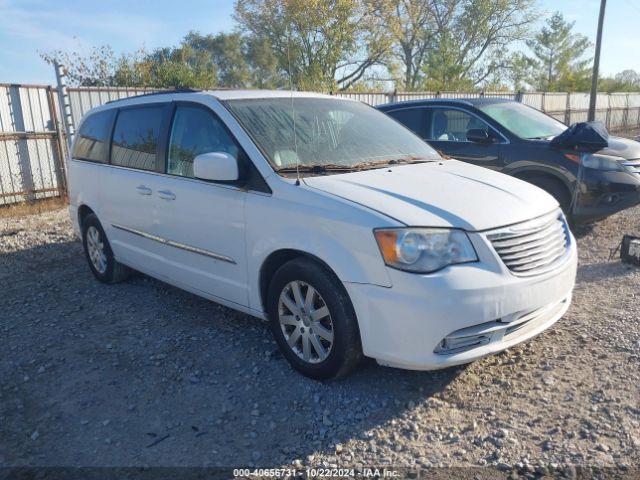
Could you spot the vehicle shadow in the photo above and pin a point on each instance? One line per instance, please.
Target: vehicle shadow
(142, 373)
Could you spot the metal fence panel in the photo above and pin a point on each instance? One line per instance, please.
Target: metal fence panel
(533, 99)
(374, 98)
(85, 98)
(30, 157)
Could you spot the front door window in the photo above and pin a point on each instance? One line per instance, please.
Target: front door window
(451, 125)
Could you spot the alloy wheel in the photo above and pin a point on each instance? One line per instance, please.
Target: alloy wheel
(96, 250)
(305, 321)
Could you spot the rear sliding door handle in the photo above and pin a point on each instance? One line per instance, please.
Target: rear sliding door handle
(166, 195)
(142, 190)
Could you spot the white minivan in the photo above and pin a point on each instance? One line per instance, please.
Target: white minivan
(341, 227)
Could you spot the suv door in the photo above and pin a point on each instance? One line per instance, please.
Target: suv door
(130, 188)
(201, 223)
(446, 130)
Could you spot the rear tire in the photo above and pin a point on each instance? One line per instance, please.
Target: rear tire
(98, 252)
(313, 321)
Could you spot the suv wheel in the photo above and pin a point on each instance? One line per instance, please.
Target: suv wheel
(99, 255)
(313, 321)
(554, 188)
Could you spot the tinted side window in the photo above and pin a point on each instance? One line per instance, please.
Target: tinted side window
(195, 131)
(451, 125)
(135, 137)
(92, 141)
(412, 118)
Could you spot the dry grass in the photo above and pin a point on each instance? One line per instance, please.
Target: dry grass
(32, 208)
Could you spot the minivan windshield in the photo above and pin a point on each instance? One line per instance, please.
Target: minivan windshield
(523, 121)
(330, 134)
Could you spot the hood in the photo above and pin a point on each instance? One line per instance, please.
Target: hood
(622, 147)
(440, 194)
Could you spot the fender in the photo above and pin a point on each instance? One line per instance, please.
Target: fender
(524, 168)
(340, 236)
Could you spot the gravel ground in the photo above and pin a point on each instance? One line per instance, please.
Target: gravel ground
(142, 373)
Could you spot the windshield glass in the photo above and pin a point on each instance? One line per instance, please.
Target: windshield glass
(523, 121)
(328, 133)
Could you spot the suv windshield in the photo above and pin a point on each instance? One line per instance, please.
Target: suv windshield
(523, 121)
(330, 134)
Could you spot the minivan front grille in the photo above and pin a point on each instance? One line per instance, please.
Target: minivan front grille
(532, 247)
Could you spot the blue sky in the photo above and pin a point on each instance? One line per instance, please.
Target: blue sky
(30, 26)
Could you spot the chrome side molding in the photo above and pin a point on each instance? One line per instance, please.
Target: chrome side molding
(171, 243)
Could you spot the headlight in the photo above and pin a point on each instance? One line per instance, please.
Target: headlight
(598, 161)
(424, 250)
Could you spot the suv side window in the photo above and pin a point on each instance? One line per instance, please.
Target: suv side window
(135, 137)
(412, 118)
(196, 130)
(451, 125)
(92, 141)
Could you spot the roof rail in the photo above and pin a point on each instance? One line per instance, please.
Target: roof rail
(160, 92)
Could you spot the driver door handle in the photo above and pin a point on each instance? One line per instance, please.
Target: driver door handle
(166, 195)
(143, 190)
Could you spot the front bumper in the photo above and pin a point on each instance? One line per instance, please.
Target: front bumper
(605, 193)
(404, 326)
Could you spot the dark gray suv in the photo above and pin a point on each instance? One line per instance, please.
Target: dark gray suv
(513, 138)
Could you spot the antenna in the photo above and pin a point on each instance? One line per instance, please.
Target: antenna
(293, 110)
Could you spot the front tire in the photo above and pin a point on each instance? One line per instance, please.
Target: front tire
(98, 252)
(313, 321)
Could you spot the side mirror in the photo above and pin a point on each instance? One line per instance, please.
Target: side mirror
(478, 135)
(217, 166)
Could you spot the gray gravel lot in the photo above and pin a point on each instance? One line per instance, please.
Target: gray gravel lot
(142, 373)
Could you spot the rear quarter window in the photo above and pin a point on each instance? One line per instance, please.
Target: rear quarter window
(135, 137)
(92, 140)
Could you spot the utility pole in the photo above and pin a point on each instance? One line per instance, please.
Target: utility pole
(596, 65)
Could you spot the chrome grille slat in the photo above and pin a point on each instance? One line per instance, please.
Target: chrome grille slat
(532, 247)
(509, 236)
(553, 254)
(522, 239)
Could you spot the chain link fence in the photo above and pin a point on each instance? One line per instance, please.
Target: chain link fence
(33, 145)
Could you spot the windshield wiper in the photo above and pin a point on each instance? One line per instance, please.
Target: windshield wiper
(320, 168)
(392, 161)
(316, 168)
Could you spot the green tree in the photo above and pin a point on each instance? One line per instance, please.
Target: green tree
(471, 40)
(225, 54)
(94, 69)
(263, 63)
(320, 44)
(625, 81)
(558, 57)
(162, 68)
(519, 71)
(410, 27)
(179, 67)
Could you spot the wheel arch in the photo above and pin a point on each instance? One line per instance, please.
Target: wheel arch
(83, 211)
(276, 259)
(528, 172)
